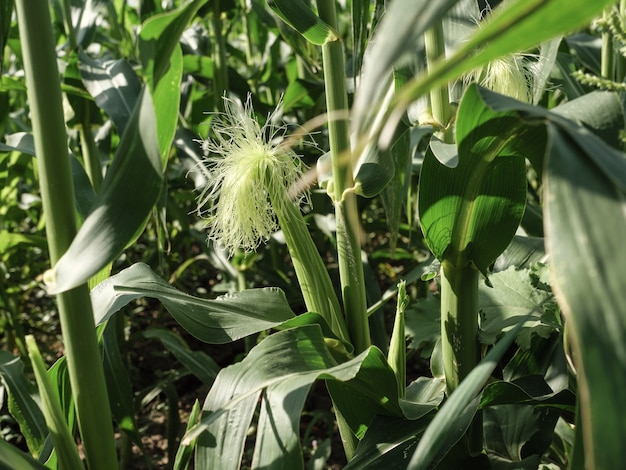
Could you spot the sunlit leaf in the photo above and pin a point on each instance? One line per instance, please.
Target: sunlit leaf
(470, 213)
(298, 15)
(222, 320)
(129, 191)
(113, 84)
(287, 362)
(512, 296)
(159, 38)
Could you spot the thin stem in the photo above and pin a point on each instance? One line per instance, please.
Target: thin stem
(621, 60)
(439, 96)
(67, 22)
(220, 74)
(75, 311)
(608, 55)
(346, 212)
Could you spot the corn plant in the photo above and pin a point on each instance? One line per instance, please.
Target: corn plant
(517, 328)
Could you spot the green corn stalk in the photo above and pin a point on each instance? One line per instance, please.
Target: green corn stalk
(346, 212)
(439, 96)
(75, 310)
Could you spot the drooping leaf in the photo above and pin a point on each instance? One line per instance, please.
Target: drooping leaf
(22, 404)
(470, 213)
(119, 386)
(585, 194)
(200, 365)
(11, 458)
(129, 191)
(298, 15)
(599, 111)
(285, 362)
(225, 319)
(518, 26)
(113, 84)
(404, 22)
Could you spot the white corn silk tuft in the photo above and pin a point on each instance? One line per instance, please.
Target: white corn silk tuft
(249, 174)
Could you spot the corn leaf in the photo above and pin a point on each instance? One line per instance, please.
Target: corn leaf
(22, 404)
(113, 84)
(6, 13)
(298, 15)
(13, 458)
(455, 416)
(283, 367)
(218, 321)
(585, 196)
(129, 191)
(198, 363)
(159, 39)
(119, 386)
(469, 213)
(60, 433)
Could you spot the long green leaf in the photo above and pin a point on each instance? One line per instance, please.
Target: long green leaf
(113, 84)
(129, 191)
(11, 458)
(298, 15)
(285, 362)
(22, 404)
(585, 194)
(405, 22)
(6, 14)
(64, 445)
(159, 38)
(225, 319)
(516, 27)
(119, 387)
(200, 365)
